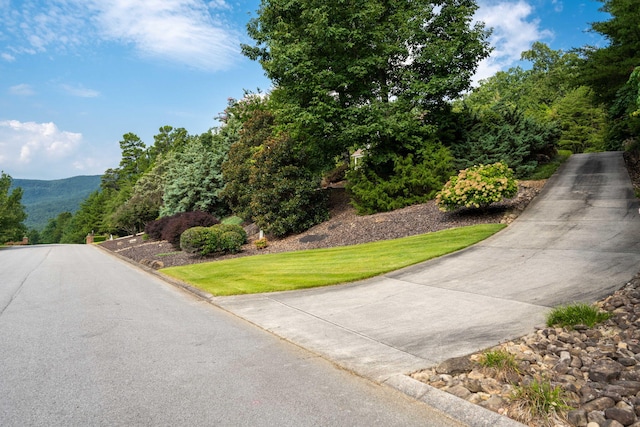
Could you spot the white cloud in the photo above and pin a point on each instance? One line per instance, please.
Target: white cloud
(181, 31)
(219, 4)
(7, 57)
(513, 32)
(80, 91)
(38, 150)
(176, 30)
(22, 90)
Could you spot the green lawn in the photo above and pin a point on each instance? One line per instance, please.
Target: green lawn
(322, 267)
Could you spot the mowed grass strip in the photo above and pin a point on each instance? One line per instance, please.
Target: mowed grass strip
(323, 267)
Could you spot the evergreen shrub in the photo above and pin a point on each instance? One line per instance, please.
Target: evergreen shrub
(407, 180)
(219, 238)
(478, 187)
(504, 134)
(194, 239)
(286, 196)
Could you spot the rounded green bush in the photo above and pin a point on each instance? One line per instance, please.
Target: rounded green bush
(220, 238)
(231, 241)
(478, 187)
(192, 240)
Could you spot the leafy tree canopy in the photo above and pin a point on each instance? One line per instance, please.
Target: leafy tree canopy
(608, 69)
(12, 214)
(337, 64)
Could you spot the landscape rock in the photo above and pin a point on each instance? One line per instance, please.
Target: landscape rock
(454, 366)
(577, 417)
(605, 370)
(626, 417)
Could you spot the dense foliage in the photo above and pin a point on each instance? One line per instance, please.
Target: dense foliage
(607, 70)
(54, 230)
(194, 178)
(237, 170)
(269, 175)
(546, 98)
(285, 195)
(410, 179)
(478, 187)
(506, 134)
(12, 214)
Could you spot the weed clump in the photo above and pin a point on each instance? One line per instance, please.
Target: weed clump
(539, 399)
(576, 314)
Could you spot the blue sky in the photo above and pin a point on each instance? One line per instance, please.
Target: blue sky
(75, 75)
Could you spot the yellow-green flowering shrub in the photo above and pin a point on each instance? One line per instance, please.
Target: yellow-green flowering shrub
(478, 187)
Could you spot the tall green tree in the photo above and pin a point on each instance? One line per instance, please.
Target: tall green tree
(135, 158)
(168, 139)
(12, 213)
(607, 69)
(193, 179)
(350, 73)
(55, 227)
(549, 91)
(552, 75)
(285, 196)
(237, 169)
(91, 217)
(145, 201)
(583, 124)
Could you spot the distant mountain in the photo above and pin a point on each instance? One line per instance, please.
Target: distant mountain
(44, 200)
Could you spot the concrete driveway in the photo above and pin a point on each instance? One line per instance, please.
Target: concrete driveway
(578, 241)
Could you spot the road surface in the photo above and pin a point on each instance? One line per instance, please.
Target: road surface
(89, 340)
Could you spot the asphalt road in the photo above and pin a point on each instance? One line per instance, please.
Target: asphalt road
(89, 340)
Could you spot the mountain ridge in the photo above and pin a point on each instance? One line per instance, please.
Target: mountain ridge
(46, 199)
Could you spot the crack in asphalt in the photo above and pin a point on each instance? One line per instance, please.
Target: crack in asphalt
(21, 285)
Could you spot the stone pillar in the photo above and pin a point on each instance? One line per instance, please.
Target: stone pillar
(89, 239)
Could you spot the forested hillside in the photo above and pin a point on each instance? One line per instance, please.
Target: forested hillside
(44, 200)
(388, 84)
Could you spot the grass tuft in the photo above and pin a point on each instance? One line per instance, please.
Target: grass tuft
(576, 314)
(500, 364)
(539, 399)
(498, 359)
